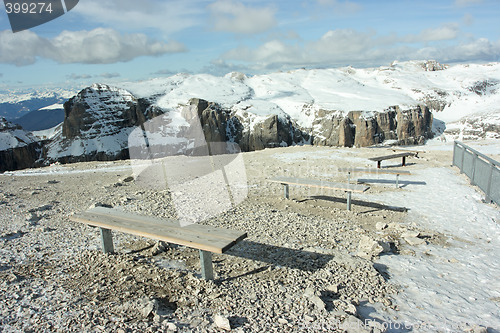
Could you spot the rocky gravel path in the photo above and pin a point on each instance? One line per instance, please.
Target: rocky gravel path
(306, 265)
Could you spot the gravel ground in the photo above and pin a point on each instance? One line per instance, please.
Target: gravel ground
(306, 265)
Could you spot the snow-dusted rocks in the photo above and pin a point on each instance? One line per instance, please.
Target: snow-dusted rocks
(97, 124)
(18, 148)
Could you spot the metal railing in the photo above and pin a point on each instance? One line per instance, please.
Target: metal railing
(483, 171)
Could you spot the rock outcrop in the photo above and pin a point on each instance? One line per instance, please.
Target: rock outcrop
(361, 128)
(18, 148)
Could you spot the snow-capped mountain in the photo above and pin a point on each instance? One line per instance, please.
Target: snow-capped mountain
(97, 123)
(403, 103)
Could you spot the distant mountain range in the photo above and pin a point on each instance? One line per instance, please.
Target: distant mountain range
(42, 119)
(403, 103)
(16, 103)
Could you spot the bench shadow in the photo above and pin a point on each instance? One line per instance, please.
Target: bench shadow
(402, 183)
(375, 205)
(399, 165)
(277, 256)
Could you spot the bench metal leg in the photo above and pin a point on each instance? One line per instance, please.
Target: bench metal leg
(286, 190)
(378, 164)
(107, 240)
(397, 181)
(349, 200)
(404, 160)
(207, 271)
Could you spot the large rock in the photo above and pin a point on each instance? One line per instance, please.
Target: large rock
(414, 125)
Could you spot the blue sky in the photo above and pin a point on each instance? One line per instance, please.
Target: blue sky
(118, 40)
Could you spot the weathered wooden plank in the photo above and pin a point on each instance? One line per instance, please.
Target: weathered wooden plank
(210, 240)
(319, 184)
(388, 157)
(393, 172)
(155, 221)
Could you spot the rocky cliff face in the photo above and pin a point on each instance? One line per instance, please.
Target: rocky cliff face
(99, 120)
(18, 148)
(97, 123)
(360, 128)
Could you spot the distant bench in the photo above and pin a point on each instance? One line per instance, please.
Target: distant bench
(414, 152)
(376, 171)
(206, 239)
(349, 188)
(379, 159)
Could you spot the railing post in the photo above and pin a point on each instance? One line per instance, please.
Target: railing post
(473, 173)
(454, 153)
(462, 161)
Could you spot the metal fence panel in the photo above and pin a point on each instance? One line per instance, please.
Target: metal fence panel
(482, 170)
(468, 164)
(458, 155)
(495, 186)
(482, 173)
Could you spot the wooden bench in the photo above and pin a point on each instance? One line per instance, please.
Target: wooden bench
(379, 159)
(415, 152)
(206, 239)
(376, 171)
(348, 188)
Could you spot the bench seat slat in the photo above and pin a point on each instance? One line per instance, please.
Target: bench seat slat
(319, 184)
(388, 157)
(156, 221)
(394, 172)
(216, 240)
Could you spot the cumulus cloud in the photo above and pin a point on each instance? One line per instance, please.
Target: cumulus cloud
(234, 16)
(98, 46)
(166, 16)
(343, 47)
(444, 32)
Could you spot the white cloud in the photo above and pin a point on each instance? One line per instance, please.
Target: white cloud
(167, 16)
(349, 47)
(98, 46)
(444, 32)
(234, 16)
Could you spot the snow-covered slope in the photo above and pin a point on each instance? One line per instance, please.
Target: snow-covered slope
(453, 93)
(13, 136)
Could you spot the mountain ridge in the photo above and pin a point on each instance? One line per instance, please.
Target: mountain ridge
(404, 103)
